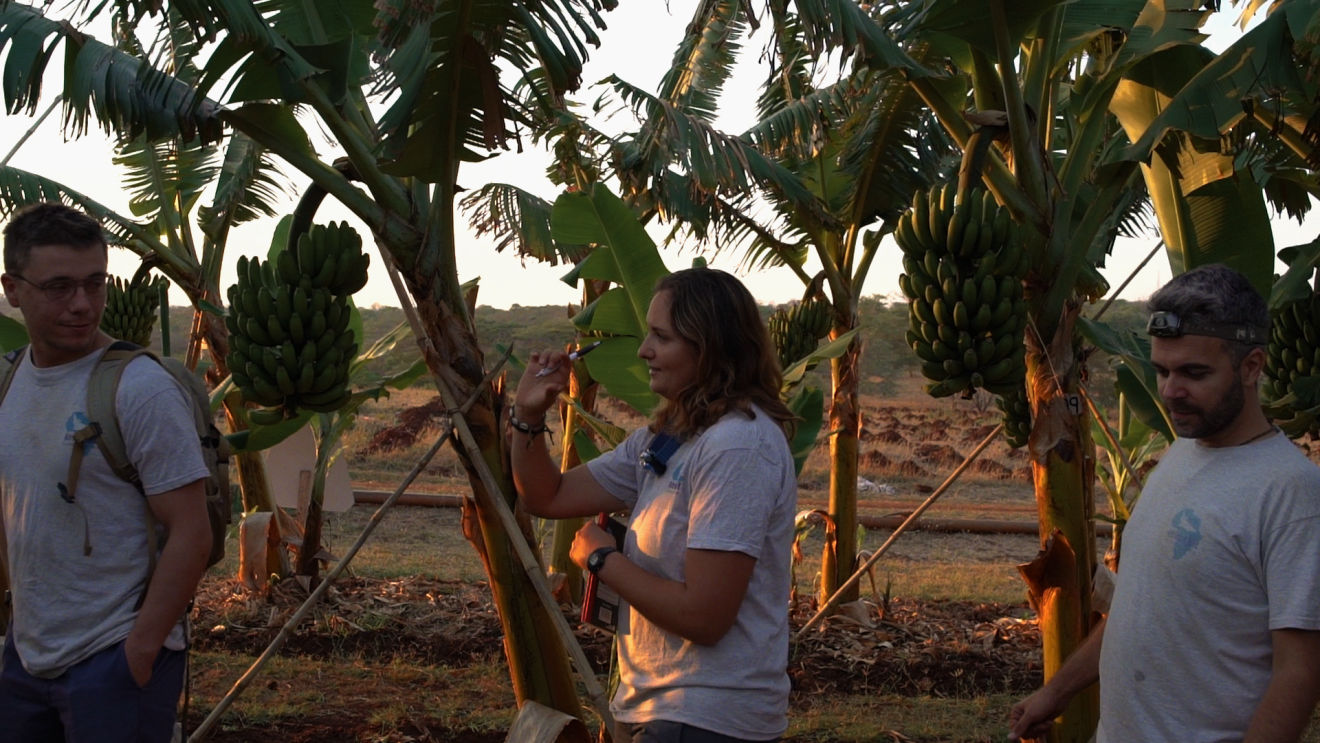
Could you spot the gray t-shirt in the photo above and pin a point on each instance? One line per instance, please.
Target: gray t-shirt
(66, 605)
(733, 488)
(1222, 548)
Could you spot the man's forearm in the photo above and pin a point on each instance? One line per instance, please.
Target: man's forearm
(1282, 715)
(172, 585)
(1285, 709)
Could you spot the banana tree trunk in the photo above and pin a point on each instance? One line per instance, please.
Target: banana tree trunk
(1063, 469)
(251, 468)
(308, 564)
(840, 552)
(538, 661)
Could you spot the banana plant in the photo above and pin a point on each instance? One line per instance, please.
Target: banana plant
(409, 93)
(1050, 94)
(836, 163)
(329, 428)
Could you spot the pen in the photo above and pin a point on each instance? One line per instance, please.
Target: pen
(574, 356)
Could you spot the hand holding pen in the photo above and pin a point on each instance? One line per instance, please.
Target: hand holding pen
(574, 356)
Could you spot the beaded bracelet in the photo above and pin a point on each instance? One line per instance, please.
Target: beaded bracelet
(527, 428)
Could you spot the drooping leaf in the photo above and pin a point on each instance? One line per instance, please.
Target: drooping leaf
(834, 349)
(1257, 67)
(808, 404)
(19, 188)
(1139, 392)
(846, 25)
(1209, 210)
(1135, 374)
(248, 188)
(1295, 284)
(518, 218)
(126, 95)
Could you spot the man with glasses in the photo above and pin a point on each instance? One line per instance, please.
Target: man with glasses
(1214, 630)
(94, 648)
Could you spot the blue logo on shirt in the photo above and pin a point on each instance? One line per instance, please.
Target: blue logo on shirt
(1186, 532)
(676, 479)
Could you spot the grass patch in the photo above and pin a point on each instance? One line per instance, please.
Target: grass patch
(856, 718)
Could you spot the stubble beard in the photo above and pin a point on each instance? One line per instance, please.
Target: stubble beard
(1216, 419)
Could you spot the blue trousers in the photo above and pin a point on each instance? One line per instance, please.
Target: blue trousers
(95, 701)
(663, 731)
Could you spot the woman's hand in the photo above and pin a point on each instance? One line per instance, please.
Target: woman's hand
(536, 394)
(589, 539)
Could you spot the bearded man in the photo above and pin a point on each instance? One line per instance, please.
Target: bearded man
(1214, 631)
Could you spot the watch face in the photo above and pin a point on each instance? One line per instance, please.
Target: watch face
(596, 560)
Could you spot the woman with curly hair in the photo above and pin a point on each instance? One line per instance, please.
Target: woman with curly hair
(711, 486)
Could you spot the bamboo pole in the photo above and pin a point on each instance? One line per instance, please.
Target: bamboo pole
(315, 596)
(31, 130)
(912, 517)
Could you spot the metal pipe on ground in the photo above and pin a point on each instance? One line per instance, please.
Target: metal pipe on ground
(888, 521)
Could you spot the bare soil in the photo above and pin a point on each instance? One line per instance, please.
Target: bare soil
(437, 622)
(909, 647)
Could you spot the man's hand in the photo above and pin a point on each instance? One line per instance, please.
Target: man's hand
(1034, 716)
(140, 661)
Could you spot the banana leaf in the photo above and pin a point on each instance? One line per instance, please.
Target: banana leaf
(834, 349)
(627, 257)
(1135, 375)
(1295, 283)
(808, 404)
(1209, 210)
(1258, 66)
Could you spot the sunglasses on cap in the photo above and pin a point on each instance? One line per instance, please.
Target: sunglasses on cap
(1166, 324)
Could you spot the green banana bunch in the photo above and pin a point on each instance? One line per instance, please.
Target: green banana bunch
(131, 309)
(290, 346)
(1016, 416)
(963, 263)
(797, 329)
(330, 256)
(1291, 389)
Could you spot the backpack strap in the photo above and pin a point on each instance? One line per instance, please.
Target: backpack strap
(8, 363)
(103, 429)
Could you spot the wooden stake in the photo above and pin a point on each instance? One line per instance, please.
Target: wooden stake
(912, 517)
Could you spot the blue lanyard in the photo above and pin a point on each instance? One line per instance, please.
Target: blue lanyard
(657, 454)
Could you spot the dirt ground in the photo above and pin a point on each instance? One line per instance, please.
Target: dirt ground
(898, 646)
(909, 647)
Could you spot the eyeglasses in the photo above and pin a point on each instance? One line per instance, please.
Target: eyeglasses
(62, 290)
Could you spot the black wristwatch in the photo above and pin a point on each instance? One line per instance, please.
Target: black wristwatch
(596, 560)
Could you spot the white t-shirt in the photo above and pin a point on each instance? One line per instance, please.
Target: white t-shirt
(733, 488)
(68, 606)
(1222, 548)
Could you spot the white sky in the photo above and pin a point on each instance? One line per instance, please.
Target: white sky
(637, 46)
